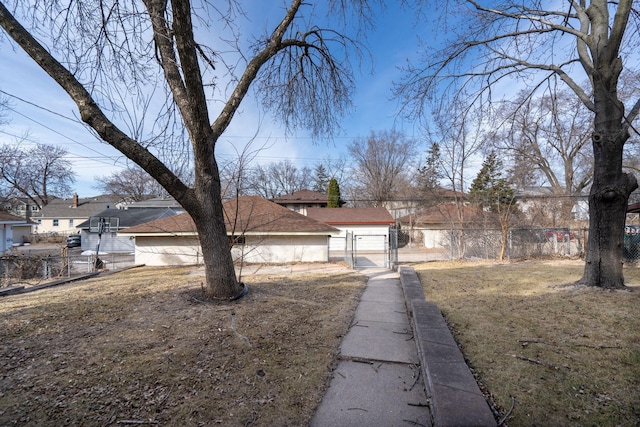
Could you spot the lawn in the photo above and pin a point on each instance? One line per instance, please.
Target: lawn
(549, 353)
(141, 348)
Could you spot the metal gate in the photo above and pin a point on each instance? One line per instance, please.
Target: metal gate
(371, 250)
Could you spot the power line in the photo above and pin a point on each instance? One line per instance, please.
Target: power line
(73, 119)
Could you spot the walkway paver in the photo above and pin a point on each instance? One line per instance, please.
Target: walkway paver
(378, 380)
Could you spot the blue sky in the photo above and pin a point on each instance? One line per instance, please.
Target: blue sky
(39, 108)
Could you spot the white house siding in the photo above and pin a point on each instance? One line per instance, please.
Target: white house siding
(436, 238)
(168, 250)
(63, 227)
(282, 249)
(368, 237)
(6, 238)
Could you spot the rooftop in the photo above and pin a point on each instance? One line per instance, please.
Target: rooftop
(246, 214)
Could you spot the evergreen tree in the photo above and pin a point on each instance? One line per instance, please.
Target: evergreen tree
(489, 188)
(493, 193)
(429, 175)
(333, 194)
(321, 179)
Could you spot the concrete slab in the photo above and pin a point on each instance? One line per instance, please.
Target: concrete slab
(378, 380)
(384, 293)
(381, 341)
(377, 311)
(459, 408)
(455, 398)
(374, 394)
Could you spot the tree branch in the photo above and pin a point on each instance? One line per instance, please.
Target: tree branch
(273, 46)
(89, 110)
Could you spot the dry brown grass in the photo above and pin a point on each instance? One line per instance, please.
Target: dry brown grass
(567, 355)
(139, 346)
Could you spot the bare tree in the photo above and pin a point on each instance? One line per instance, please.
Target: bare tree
(37, 173)
(336, 168)
(497, 44)
(107, 56)
(130, 184)
(382, 165)
(280, 178)
(549, 135)
(452, 128)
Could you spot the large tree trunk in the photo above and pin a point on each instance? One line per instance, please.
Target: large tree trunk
(611, 187)
(208, 215)
(219, 270)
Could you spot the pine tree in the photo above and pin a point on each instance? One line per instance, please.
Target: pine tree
(321, 180)
(429, 175)
(489, 189)
(493, 193)
(333, 194)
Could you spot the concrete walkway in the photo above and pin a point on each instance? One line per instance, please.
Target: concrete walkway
(378, 380)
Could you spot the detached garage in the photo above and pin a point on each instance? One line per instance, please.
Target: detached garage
(14, 230)
(369, 226)
(262, 232)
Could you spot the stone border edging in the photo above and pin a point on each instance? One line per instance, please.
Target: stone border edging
(454, 396)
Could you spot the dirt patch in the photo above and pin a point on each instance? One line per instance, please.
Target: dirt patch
(140, 347)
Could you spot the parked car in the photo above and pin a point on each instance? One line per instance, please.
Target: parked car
(74, 241)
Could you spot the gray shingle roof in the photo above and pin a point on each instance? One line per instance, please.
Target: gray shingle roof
(131, 218)
(63, 208)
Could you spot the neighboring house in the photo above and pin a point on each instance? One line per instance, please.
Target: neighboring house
(263, 232)
(13, 231)
(300, 201)
(21, 206)
(156, 203)
(62, 216)
(543, 207)
(114, 221)
(415, 200)
(435, 223)
(370, 226)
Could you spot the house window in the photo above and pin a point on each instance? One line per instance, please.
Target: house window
(34, 208)
(55, 222)
(71, 223)
(237, 240)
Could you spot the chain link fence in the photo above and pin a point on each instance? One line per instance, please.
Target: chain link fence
(487, 243)
(521, 243)
(28, 270)
(631, 251)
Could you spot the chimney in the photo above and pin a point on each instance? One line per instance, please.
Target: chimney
(75, 200)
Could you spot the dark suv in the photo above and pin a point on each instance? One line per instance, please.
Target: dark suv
(74, 241)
